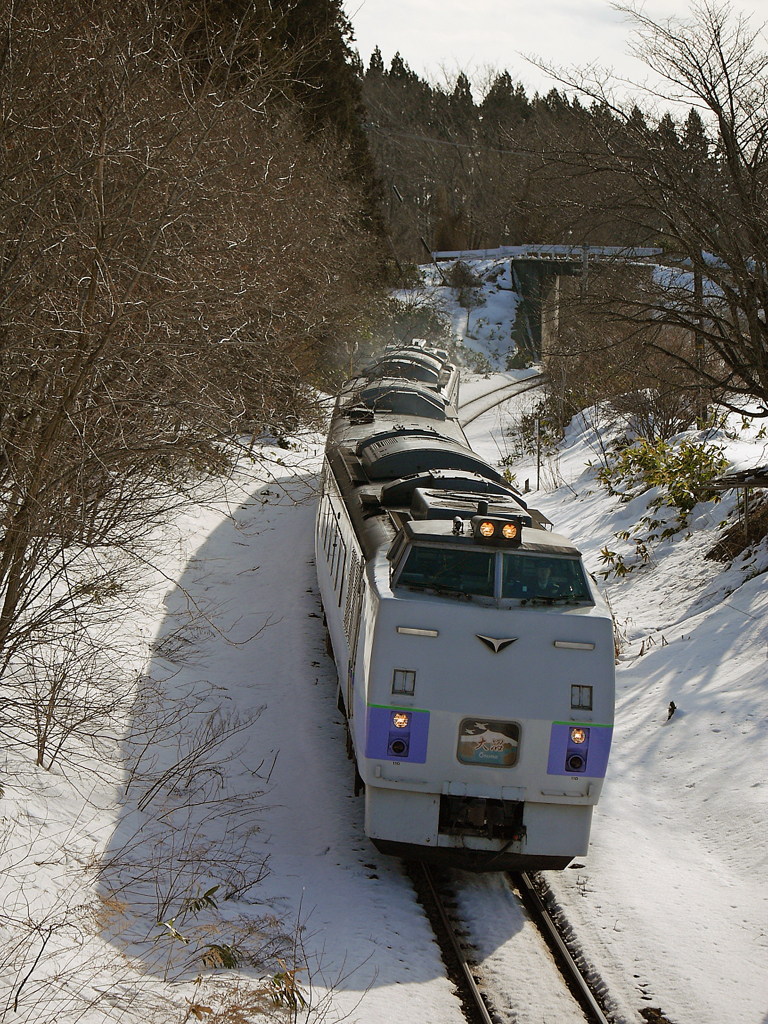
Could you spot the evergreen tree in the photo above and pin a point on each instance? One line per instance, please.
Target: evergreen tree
(667, 133)
(694, 140)
(376, 65)
(505, 104)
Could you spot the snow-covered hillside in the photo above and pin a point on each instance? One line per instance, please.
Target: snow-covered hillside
(482, 315)
(672, 903)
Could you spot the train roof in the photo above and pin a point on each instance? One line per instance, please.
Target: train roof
(398, 396)
(441, 532)
(398, 454)
(412, 365)
(455, 481)
(405, 452)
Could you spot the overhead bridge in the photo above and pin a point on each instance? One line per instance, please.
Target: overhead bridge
(535, 270)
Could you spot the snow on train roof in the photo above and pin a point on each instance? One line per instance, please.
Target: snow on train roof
(403, 364)
(416, 355)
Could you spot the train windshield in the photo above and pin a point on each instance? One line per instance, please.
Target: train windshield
(452, 570)
(547, 578)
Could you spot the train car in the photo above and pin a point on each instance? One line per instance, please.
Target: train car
(474, 652)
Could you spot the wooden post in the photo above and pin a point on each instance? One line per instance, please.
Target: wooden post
(746, 514)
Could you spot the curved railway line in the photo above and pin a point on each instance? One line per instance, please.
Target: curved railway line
(454, 941)
(470, 411)
(452, 937)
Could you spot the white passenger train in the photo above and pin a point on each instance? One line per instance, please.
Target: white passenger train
(475, 655)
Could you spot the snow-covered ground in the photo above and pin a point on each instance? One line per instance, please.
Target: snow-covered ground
(670, 906)
(485, 322)
(215, 846)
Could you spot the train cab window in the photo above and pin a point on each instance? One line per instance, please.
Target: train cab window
(544, 578)
(453, 570)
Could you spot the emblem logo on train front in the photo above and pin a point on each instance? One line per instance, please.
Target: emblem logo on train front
(494, 644)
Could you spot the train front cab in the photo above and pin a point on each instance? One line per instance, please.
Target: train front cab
(485, 758)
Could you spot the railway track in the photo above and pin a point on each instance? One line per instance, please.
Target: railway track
(568, 967)
(469, 411)
(481, 1004)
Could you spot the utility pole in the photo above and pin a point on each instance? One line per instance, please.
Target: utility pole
(698, 345)
(538, 454)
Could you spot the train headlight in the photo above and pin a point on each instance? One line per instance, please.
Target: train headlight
(578, 735)
(497, 529)
(400, 719)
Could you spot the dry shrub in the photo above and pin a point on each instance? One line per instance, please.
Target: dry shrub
(599, 354)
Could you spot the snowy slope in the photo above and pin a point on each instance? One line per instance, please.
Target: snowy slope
(485, 323)
(672, 903)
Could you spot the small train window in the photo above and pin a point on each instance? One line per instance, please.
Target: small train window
(404, 681)
(328, 520)
(581, 697)
(492, 743)
(339, 564)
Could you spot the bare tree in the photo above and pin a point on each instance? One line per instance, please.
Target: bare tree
(176, 261)
(598, 355)
(697, 188)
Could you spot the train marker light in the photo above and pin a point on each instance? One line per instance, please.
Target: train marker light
(400, 719)
(578, 735)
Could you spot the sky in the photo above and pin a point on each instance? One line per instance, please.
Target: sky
(469, 35)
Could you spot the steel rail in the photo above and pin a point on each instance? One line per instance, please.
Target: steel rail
(574, 974)
(494, 392)
(542, 918)
(499, 395)
(474, 991)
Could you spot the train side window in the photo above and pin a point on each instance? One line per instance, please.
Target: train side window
(341, 561)
(335, 540)
(328, 521)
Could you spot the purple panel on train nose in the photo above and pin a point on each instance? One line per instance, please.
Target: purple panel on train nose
(397, 734)
(597, 744)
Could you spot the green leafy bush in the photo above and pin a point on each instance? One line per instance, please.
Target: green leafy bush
(681, 473)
